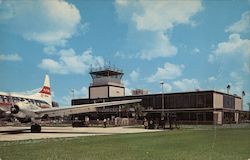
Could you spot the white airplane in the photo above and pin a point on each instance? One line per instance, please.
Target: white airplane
(33, 108)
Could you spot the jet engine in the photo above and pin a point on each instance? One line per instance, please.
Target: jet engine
(14, 109)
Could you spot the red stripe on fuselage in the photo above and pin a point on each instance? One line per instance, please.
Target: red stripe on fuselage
(44, 107)
(9, 105)
(5, 104)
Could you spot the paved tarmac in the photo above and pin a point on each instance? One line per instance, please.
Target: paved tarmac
(23, 133)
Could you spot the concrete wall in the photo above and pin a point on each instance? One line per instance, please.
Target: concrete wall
(218, 100)
(99, 92)
(106, 91)
(116, 91)
(238, 104)
(236, 117)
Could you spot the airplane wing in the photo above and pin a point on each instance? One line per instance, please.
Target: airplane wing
(53, 112)
(4, 108)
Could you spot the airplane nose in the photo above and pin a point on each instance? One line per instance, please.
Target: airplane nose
(14, 109)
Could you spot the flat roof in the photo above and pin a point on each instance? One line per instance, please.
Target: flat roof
(191, 92)
(106, 72)
(174, 93)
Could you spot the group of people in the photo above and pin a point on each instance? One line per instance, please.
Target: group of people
(152, 123)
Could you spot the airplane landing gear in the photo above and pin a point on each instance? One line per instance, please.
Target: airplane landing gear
(35, 128)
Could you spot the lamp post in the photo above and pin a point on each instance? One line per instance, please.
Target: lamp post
(242, 95)
(73, 93)
(162, 101)
(228, 88)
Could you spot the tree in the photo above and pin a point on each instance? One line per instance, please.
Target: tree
(138, 110)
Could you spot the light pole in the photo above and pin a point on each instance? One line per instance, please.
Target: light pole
(242, 95)
(73, 93)
(228, 88)
(162, 101)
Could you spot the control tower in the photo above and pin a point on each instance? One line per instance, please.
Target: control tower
(106, 82)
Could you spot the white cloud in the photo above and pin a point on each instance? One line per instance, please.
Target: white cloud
(52, 66)
(65, 101)
(211, 58)
(72, 63)
(238, 50)
(237, 85)
(45, 21)
(49, 50)
(126, 82)
(162, 48)
(242, 26)
(150, 21)
(211, 79)
(246, 67)
(124, 55)
(167, 87)
(31, 92)
(196, 51)
(122, 2)
(164, 15)
(6, 11)
(134, 75)
(235, 45)
(233, 53)
(234, 75)
(169, 71)
(28, 92)
(81, 93)
(187, 84)
(10, 57)
(128, 91)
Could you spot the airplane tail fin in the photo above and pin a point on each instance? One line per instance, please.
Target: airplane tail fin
(46, 86)
(45, 93)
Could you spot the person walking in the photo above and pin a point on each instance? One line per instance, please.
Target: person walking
(145, 123)
(105, 122)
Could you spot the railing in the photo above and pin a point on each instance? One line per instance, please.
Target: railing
(96, 69)
(106, 80)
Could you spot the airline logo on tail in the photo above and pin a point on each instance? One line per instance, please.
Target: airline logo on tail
(45, 90)
(46, 86)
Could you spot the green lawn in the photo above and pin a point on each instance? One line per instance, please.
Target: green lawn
(183, 144)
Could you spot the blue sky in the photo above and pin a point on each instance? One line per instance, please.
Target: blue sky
(187, 44)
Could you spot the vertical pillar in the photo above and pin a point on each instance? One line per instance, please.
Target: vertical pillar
(217, 117)
(236, 117)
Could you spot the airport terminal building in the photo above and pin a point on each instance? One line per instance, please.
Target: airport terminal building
(196, 107)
